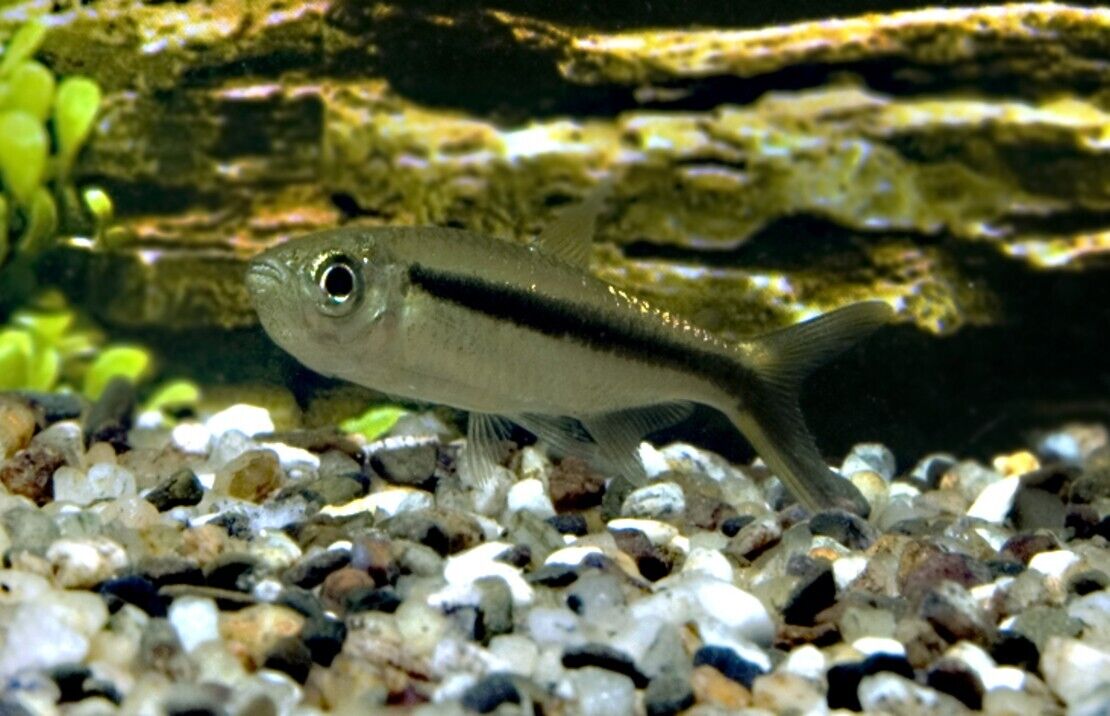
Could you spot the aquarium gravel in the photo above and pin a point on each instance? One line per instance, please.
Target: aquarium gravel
(210, 565)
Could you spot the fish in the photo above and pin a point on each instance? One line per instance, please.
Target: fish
(526, 334)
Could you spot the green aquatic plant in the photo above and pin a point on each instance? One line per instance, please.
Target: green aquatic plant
(43, 125)
(375, 422)
(48, 347)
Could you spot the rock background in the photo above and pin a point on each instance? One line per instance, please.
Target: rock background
(953, 162)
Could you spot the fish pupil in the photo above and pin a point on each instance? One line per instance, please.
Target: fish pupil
(338, 281)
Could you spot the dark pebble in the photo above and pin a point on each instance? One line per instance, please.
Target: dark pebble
(412, 462)
(192, 703)
(310, 572)
(490, 692)
(729, 663)
(956, 679)
(160, 650)
(181, 489)
(324, 638)
(317, 440)
(342, 582)
(571, 523)
(110, 417)
(54, 406)
(30, 473)
(1088, 581)
(231, 571)
(374, 555)
(844, 679)
(955, 615)
(1094, 483)
(732, 526)
(300, 600)
(289, 655)
(519, 556)
(755, 538)
(1081, 521)
(133, 589)
(603, 657)
(163, 571)
(237, 525)
(1023, 547)
(1036, 509)
(653, 563)
(1004, 567)
(939, 567)
(1011, 648)
(445, 531)
(553, 575)
(845, 527)
(667, 695)
(495, 607)
(1055, 479)
(70, 679)
(815, 592)
(574, 485)
(372, 599)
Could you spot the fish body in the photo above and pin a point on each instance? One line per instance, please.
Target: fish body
(526, 334)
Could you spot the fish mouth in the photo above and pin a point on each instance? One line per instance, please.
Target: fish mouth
(264, 276)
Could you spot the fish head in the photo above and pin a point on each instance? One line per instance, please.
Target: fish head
(318, 295)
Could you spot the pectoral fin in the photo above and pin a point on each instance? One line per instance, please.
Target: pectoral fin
(485, 435)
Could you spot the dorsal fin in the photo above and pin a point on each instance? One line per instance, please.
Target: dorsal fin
(569, 236)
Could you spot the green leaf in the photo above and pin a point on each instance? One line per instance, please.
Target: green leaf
(48, 328)
(75, 108)
(16, 346)
(175, 394)
(374, 422)
(24, 147)
(43, 369)
(31, 89)
(22, 46)
(42, 224)
(128, 362)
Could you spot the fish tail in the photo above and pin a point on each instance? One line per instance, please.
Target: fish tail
(768, 413)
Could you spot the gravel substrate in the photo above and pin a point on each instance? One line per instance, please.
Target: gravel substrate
(217, 567)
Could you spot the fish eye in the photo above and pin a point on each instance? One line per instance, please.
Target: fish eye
(339, 282)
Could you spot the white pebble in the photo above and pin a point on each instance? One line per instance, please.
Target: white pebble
(602, 692)
(103, 481)
(658, 533)
(247, 419)
(847, 569)
(654, 461)
(1073, 669)
(708, 562)
(685, 458)
(465, 568)
(712, 603)
(871, 645)
(996, 500)
(519, 654)
(661, 500)
(530, 495)
(1055, 563)
(571, 556)
(40, 636)
(875, 457)
(293, 458)
(195, 619)
(890, 693)
(191, 438)
(391, 501)
(534, 465)
(806, 661)
(85, 562)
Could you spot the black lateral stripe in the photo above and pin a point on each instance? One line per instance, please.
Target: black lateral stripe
(562, 319)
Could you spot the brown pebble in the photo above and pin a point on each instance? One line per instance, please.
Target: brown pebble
(30, 473)
(574, 485)
(203, 543)
(340, 583)
(712, 687)
(17, 425)
(253, 476)
(259, 627)
(375, 556)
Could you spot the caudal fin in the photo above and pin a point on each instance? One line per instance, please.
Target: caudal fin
(768, 412)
